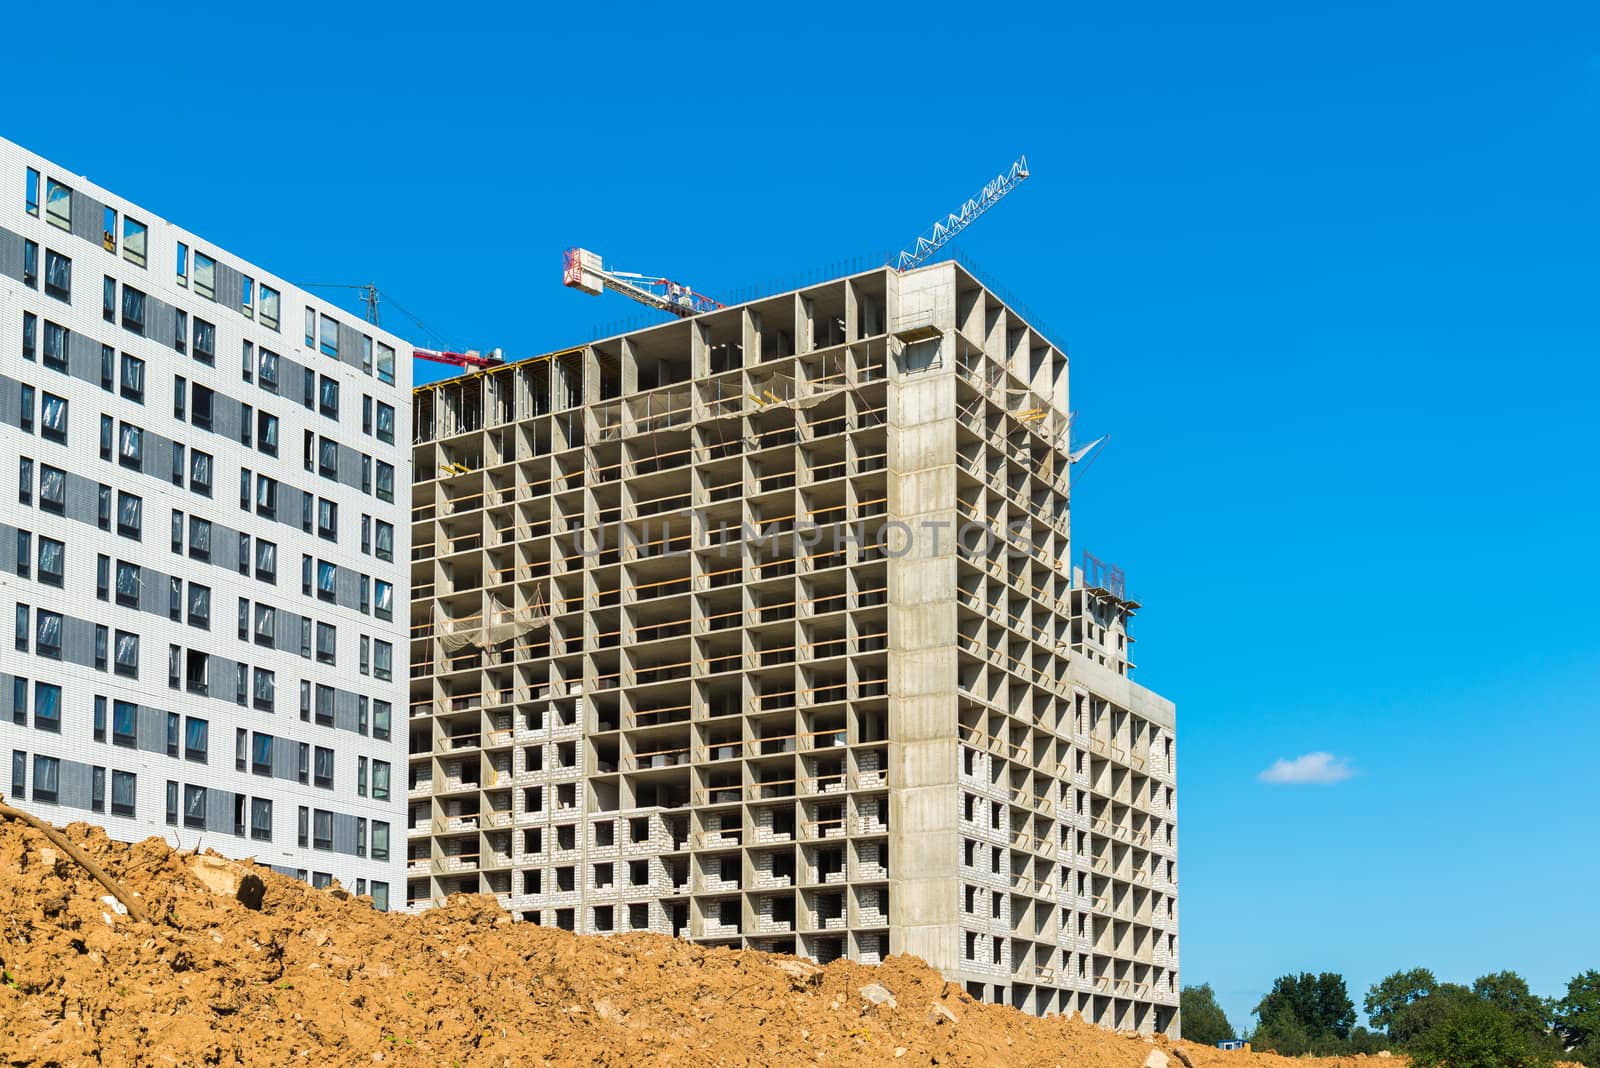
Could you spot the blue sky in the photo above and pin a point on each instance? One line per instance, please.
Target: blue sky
(1327, 278)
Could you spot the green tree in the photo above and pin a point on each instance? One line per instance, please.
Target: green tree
(1577, 1018)
(1319, 1004)
(1389, 996)
(1203, 1019)
(1416, 1019)
(1474, 1033)
(1508, 992)
(1281, 1031)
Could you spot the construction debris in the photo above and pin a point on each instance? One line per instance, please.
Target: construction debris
(318, 977)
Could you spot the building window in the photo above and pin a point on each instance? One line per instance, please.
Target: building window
(22, 628)
(130, 514)
(108, 299)
(266, 497)
(24, 554)
(205, 276)
(127, 654)
(265, 690)
(24, 480)
(321, 829)
(48, 634)
(30, 203)
(30, 264)
(135, 240)
(132, 380)
(129, 584)
(326, 639)
(55, 346)
(132, 310)
(328, 458)
(108, 230)
(196, 739)
(269, 307)
(380, 780)
(51, 569)
(97, 790)
(180, 330)
(382, 715)
(327, 580)
(267, 368)
(46, 778)
(330, 337)
(366, 354)
(266, 560)
(199, 538)
(327, 519)
(108, 366)
(47, 707)
(205, 341)
(266, 625)
(386, 423)
(328, 397)
(19, 701)
(58, 204)
(130, 447)
(199, 606)
(322, 774)
(57, 275)
(383, 660)
(383, 604)
(124, 788)
(385, 363)
(30, 333)
(194, 806)
(385, 481)
(52, 489)
(201, 408)
(53, 418)
(261, 819)
(380, 841)
(124, 723)
(267, 433)
(247, 296)
(200, 472)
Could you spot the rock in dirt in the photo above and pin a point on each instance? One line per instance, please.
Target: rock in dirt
(878, 994)
(1155, 1059)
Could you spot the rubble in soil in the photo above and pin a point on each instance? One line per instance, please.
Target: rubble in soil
(317, 977)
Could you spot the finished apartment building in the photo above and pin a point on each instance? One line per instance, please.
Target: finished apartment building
(762, 628)
(204, 536)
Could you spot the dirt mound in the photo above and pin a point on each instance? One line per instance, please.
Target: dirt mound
(316, 977)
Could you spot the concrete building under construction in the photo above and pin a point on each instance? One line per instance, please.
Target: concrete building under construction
(761, 628)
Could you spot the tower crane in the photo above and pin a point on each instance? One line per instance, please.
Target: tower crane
(370, 297)
(930, 241)
(582, 269)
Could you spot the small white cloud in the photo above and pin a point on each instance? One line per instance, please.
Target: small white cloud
(1318, 769)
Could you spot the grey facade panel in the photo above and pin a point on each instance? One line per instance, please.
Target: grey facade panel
(345, 711)
(8, 542)
(83, 498)
(285, 759)
(228, 287)
(225, 417)
(83, 358)
(76, 786)
(349, 466)
(6, 707)
(346, 587)
(220, 810)
(160, 322)
(344, 833)
(10, 401)
(350, 341)
(152, 729)
(77, 641)
(88, 218)
(11, 254)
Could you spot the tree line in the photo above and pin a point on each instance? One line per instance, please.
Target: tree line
(1497, 1022)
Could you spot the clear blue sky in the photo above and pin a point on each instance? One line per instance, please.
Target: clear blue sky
(1328, 279)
